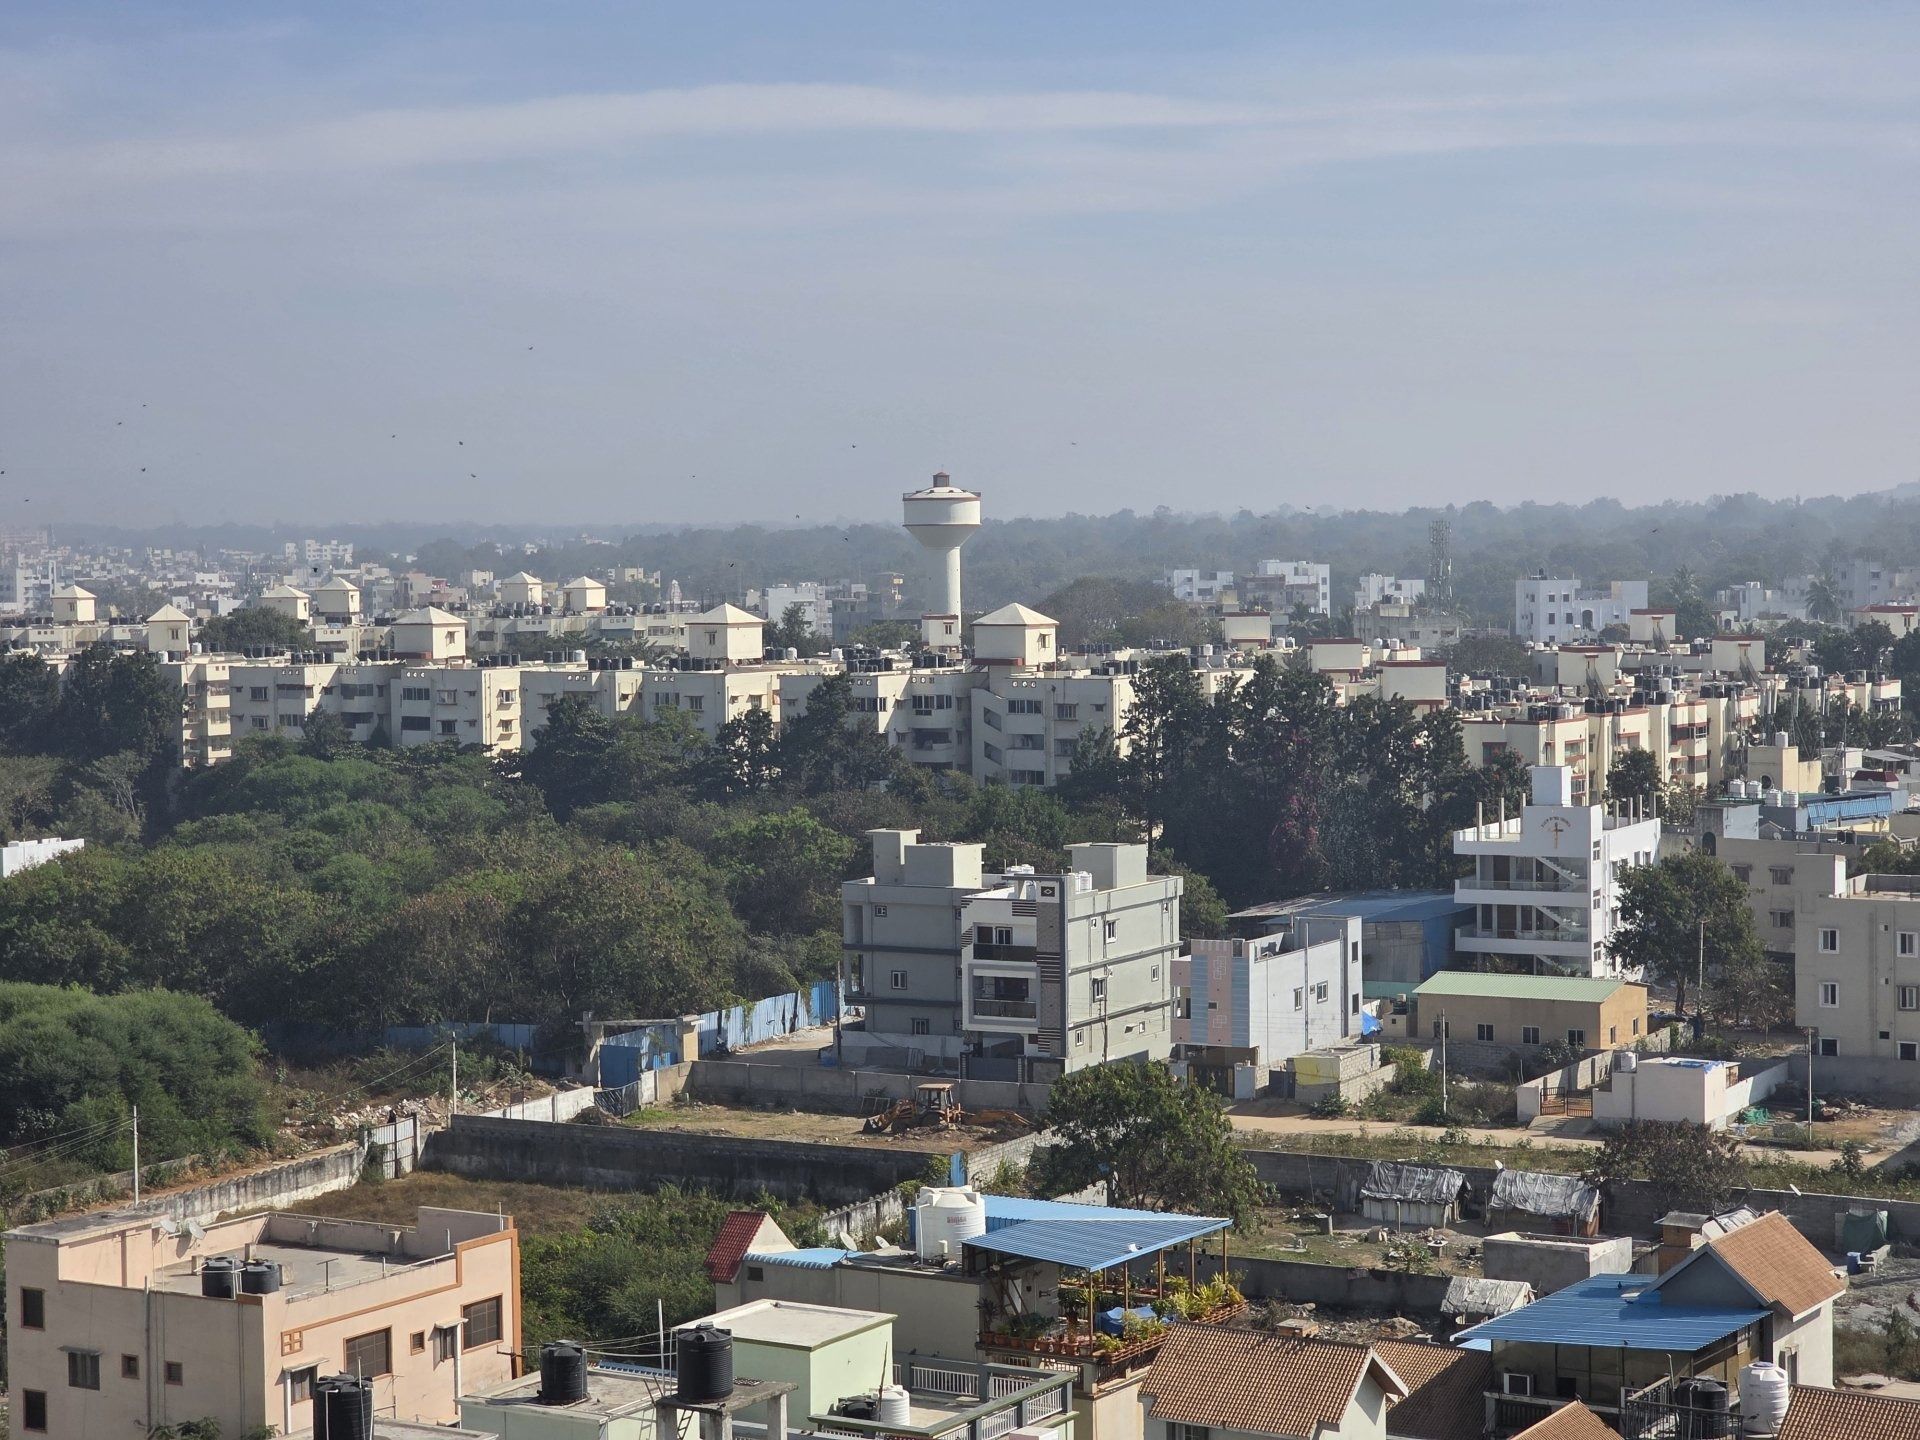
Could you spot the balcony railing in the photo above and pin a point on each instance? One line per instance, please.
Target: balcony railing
(1558, 885)
(1006, 1009)
(984, 951)
(1578, 934)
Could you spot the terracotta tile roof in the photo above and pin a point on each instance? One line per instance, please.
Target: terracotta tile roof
(1245, 1380)
(1446, 1390)
(1778, 1264)
(1849, 1415)
(730, 1246)
(1572, 1421)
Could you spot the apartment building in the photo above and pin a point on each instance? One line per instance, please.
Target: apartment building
(1376, 589)
(120, 1322)
(1019, 975)
(1256, 1003)
(924, 710)
(1280, 585)
(1548, 610)
(206, 719)
(1784, 869)
(1755, 604)
(816, 610)
(1545, 883)
(1199, 587)
(1857, 976)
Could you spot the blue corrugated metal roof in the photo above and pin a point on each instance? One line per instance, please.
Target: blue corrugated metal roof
(1615, 1312)
(820, 1257)
(1085, 1237)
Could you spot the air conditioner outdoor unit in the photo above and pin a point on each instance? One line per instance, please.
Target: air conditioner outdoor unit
(1513, 1382)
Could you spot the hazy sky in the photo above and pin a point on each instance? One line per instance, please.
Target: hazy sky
(699, 261)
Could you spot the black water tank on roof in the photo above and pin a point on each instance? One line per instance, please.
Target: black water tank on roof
(704, 1363)
(216, 1277)
(563, 1373)
(259, 1277)
(342, 1408)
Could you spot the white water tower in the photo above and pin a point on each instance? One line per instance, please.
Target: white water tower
(942, 517)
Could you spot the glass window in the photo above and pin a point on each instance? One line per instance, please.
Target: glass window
(1577, 1038)
(33, 1410)
(1829, 995)
(1829, 1046)
(1483, 1032)
(1529, 1034)
(83, 1369)
(480, 1323)
(1829, 941)
(1910, 943)
(369, 1354)
(1910, 997)
(1909, 1050)
(33, 1309)
(129, 1367)
(175, 1372)
(921, 1027)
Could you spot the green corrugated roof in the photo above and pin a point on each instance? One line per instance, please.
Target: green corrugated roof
(1517, 987)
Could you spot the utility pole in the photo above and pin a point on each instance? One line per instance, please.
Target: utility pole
(136, 1154)
(453, 1089)
(1445, 1030)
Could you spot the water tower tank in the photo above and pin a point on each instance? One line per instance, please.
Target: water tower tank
(703, 1363)
(896, 1406)
(563, 1373)
(944, 1217)
(942, 518)
(1763, 1397)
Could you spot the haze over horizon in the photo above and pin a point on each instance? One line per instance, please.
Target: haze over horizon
(493, 264)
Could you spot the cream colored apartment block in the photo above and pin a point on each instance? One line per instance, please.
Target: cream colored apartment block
(109, 1332)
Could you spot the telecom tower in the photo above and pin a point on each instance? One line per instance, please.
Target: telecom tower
(943, 517)
(1440, 564)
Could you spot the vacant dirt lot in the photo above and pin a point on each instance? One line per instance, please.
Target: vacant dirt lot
(819, 1128)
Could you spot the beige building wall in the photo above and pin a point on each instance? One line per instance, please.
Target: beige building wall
(1618, 1020)
(119, 1290)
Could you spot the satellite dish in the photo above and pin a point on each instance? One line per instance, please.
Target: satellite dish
(196, 1230)
(168, 1226)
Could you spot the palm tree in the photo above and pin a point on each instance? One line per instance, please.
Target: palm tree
(1823, 599)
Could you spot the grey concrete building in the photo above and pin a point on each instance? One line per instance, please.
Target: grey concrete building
(1022, 975)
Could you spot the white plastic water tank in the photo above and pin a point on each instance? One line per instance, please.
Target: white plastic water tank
(1764, 1392)
(792, 653)
(1781, 739)
(1774, 797)
(896, 1406)
(837, 656)
(579, 657)
(943, 1217)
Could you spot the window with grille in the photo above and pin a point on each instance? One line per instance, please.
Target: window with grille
(369, 1354)
(480, 1323)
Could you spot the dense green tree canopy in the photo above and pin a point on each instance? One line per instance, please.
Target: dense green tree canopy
(72, 1066)
(1157, 1143)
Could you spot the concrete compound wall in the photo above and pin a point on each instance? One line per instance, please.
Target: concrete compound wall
(289, 1182)
(1306, 1282)
(1883, 1082)
(605, 1157)
(842, 1091)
